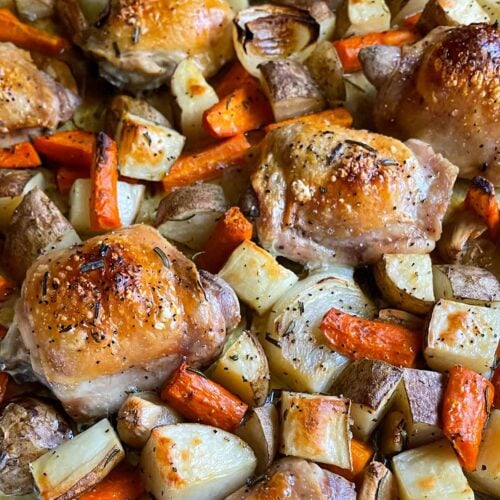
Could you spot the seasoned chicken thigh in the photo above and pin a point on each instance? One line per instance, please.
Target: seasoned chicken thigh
(329, 194)
(444, 90)
(118, 314)
(30, 99)
(140, 42)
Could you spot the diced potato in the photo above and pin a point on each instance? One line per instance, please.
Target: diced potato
(316, 428)
(297, 350)
(243, 370)
(358, 17)
(419, 398)
(256, 276)
(431, 472)
(193, 95)
(146, 150)
(405, 281)
(377, 483)
(462, 334)
(486, 477)
(261, 431)
(78, 464)
(129, 199)
(371, 386)
(194, 461)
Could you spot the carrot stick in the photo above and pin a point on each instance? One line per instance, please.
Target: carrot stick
(337, 116)
(104, 214)
(202, 400)
(207, 163)
(65, 177)
(234, 78)
(360, 338)
(466, 404)
(496, 384)
(21, 155)
(348, 48)
(71, 148)
(4, 380)
(244, 109)
(232, 230)
(481, 198)
(124, 482)
(361, 455)
(28, 37)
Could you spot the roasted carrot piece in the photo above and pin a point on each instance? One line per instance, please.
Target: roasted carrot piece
(232, 230)
(202, 400)
(361, 455)
(21, 155)
(124, 482)
(207, 163)
(348, 48)
(467, 401)
(481, 198)
(336, 116)
(71, 148)
(104, 214)
(244, 109)
(360, 338)
(65, 178)
(496, 384)
(4, 381)
(27, 37)
(234, 78)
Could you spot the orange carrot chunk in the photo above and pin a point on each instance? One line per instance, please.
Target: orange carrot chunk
(496, 384)
(201, 400)
(21, 155)
(232, 230)
(208, 163)
(481, 198)
(4, 380)
(71, 148)
(244, 109)
(360, 338)
(65, 178)
(467, 401)
(27, 37)
(361, 455)
(336, 116)
(124, 482)
(234, 78)
(104, 214)
(348, 48)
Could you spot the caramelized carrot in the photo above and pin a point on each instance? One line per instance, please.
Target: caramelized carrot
(207, 163)
(232, 230)
(496, 384)
(28, 37)
(481, 198)
(21, 155)
(124, 482)
(348, 48)
(4, 381)
(361, 455)
(71, 148)
(6, 287)
(65, 178)
(360, 338)
(234, 78)
(244, 109)
(337, 116)
(202, 400)
(467, 401)
(104, 214)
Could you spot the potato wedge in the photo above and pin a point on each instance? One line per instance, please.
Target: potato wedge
(461, 334)
(261, 431)
(358, 17)
(316, 427)
(194, 461)
(431, 472)
(139, 414)
(243, 369)
(377, 483)
(405, 281)
(371, 387)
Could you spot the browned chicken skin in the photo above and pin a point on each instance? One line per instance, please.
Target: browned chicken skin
(118, 313)
(329, 194)
(30, 100)
(141, 41)
(444, 90)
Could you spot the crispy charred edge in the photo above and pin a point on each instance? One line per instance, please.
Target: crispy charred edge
(484, 185)
(105, 150)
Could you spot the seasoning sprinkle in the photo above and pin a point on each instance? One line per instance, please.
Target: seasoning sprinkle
(361, 145)
(44, 283)
(301, 307)
(147, 136)
(389, 162)
(234, 357)
(198, 372)
(95, 335)
(163, 256)
(273, 396)
(272, 341)
(92, 266)
(111, 456)
(252, 481)
(136, 35)
(97, 310)
(289, 329)
(334, 154)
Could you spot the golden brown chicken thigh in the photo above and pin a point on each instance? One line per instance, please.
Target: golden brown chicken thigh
(30, 99)
(140, 42)
(117, 314)
(328, 194)
(444, 90)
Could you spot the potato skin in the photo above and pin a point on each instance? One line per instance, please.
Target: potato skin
(29, 427)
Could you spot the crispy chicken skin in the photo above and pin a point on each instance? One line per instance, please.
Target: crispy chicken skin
(115, 314)
(141, 41)
(30, 99)
(329, 194)
(445, 90)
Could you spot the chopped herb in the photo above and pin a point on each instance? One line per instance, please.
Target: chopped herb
(272, 341)
(301, 307)
(92, 266)
(95, 335)
(361, 145)
(163, 256)
(197, 254)
(97, 310)
(66, 329)
(116, 49)
(44, 283)
(289, 329)
(274, 395)
(147, 136)
(251, 481)
(136, 35)
(198, 372)
(234, 357)
(111, 456)
(103, 249)
(389, 162)
(334, 153)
